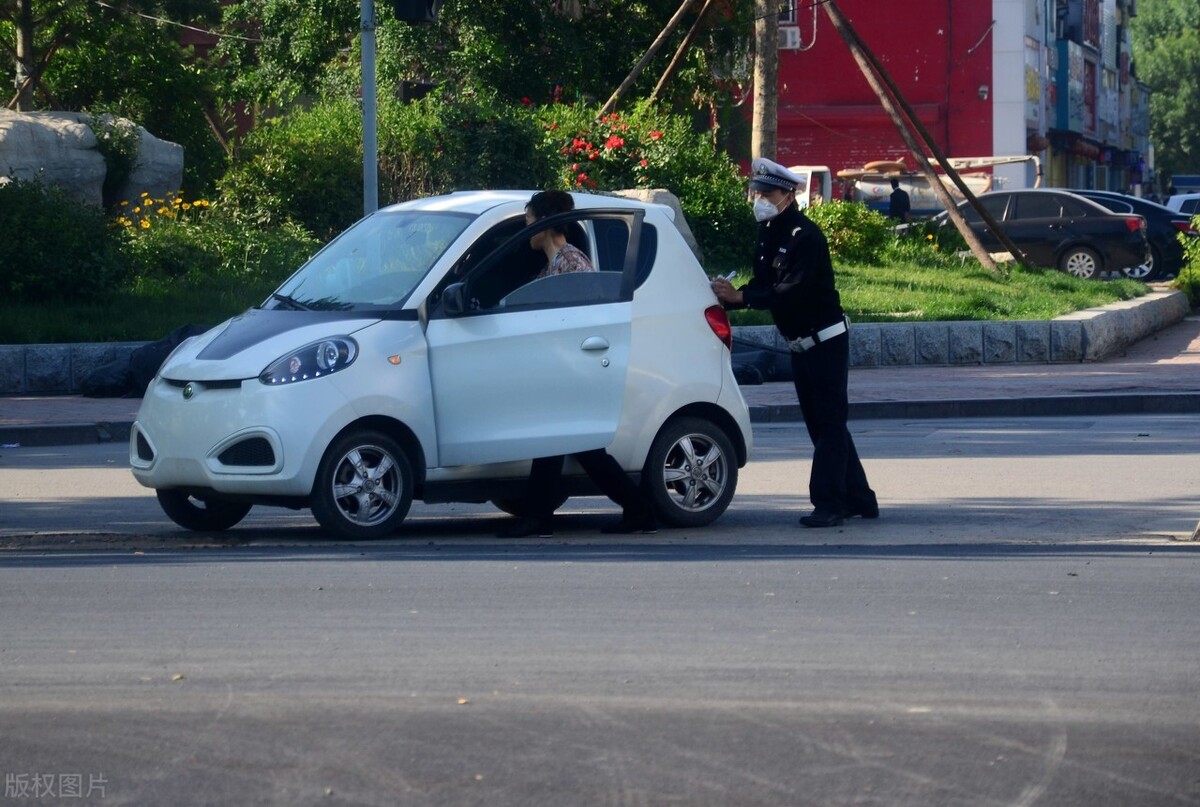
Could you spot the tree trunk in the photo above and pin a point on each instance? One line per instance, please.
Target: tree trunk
(26, 81)
(764, 140)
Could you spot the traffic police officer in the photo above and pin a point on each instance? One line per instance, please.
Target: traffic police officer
(793, 279)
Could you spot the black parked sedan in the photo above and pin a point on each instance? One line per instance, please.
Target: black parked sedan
(1163, 226)
(1059, 230)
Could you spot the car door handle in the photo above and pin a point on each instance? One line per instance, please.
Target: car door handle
(594, 343)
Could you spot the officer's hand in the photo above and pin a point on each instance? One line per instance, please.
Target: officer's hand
(725, 291)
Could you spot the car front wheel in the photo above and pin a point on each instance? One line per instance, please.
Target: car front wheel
(364, 486)
(1148, 271)
(691, 472)
(202, 515)
(1081, 262)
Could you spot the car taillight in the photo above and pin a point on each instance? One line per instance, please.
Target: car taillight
(1135, 223)
(1184, 227)
(718, 320)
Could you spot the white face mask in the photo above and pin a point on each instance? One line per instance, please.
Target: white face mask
(764, 210)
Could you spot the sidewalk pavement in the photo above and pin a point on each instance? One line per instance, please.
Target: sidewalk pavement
(1160, 374)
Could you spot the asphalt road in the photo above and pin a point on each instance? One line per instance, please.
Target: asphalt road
(1015, 630)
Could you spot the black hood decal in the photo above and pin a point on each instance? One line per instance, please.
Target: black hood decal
(258, 324)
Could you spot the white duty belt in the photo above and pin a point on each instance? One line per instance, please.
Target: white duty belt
(825, 334)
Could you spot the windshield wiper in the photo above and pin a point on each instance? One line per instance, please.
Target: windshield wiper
(289, 302)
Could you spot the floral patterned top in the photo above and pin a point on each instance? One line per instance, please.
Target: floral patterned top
(568, 259)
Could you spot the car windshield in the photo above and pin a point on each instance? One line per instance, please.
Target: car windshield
(375, 264)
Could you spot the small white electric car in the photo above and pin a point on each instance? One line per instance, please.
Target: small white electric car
(416, 356)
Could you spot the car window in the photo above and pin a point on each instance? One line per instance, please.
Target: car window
(1190, 206)
(1115, 205)
(375, 264)
(1040, 206)
(1078, 209)
(501, 270)
(612, 241)
(994, 204)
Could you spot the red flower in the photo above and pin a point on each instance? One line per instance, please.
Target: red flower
(526, 101)
(656, 135)
(614, 142)
(593, 155)
(643, 163)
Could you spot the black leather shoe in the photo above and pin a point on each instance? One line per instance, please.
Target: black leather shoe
(541, 527)
(820, 518)
(867, 511)
(644, 524)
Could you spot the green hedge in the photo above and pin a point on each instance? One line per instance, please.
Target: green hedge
(54, 247)
(307, 166)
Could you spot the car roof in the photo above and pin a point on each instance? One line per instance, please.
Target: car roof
(1048, 192)
(480, 201)
(1125, 197)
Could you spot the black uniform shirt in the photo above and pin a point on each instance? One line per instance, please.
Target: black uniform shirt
(793, 275)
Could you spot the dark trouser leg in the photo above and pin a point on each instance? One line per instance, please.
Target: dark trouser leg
(821, 376)
(545, 475)
(612, 480)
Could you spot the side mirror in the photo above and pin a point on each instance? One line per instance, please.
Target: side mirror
(454, 300)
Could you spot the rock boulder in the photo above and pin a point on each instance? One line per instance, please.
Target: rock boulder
(59, 148)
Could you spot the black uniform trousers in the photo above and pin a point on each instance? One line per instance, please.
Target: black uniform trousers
(837, 483)
(545, 477)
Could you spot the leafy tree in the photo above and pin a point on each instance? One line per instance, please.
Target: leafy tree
(35, 33)
(1166, 46)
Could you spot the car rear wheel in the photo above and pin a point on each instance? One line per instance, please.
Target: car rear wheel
(1148, 271)
(1081, 262)
(203, 515)
(691, 472)
(364, 486)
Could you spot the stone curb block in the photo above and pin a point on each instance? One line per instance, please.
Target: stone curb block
(1162, 403)
(1082, 336)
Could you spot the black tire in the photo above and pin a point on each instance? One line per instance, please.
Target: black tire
(364, 486)
(691, 472)
(1147, 272)
(202, 515)
(1081, 262)
(519, 506)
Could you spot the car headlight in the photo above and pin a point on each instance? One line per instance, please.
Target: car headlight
(311, 361)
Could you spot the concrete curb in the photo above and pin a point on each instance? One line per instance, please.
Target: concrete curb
(65, 434)
(1161, 403)
(1082, 336)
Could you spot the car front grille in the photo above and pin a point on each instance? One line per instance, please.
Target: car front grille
(255, 451)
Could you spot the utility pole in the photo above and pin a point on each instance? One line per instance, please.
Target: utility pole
(764, 139)
(877, 77)
(370, 109)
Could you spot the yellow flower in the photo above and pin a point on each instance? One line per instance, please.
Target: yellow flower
(145, 194)
(162, 211)
(125, 203)
(137, 210)
(187, 206)
(145, 224)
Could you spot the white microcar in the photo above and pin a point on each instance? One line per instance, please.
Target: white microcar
(416, 356)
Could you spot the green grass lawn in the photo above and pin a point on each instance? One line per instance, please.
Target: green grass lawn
(912, 293)
(905, 293)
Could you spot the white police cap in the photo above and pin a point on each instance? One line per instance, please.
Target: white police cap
(768, 175)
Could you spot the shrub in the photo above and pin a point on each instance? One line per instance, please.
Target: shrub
(117, 140)
(1188, 279)
(652, 148)
(54, 248)
(306, 168)
(856, 233)
(172, 240)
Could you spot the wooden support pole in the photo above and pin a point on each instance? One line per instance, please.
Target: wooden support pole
(682, 49)
(611, 103)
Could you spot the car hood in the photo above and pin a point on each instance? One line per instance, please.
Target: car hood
(242, 347)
